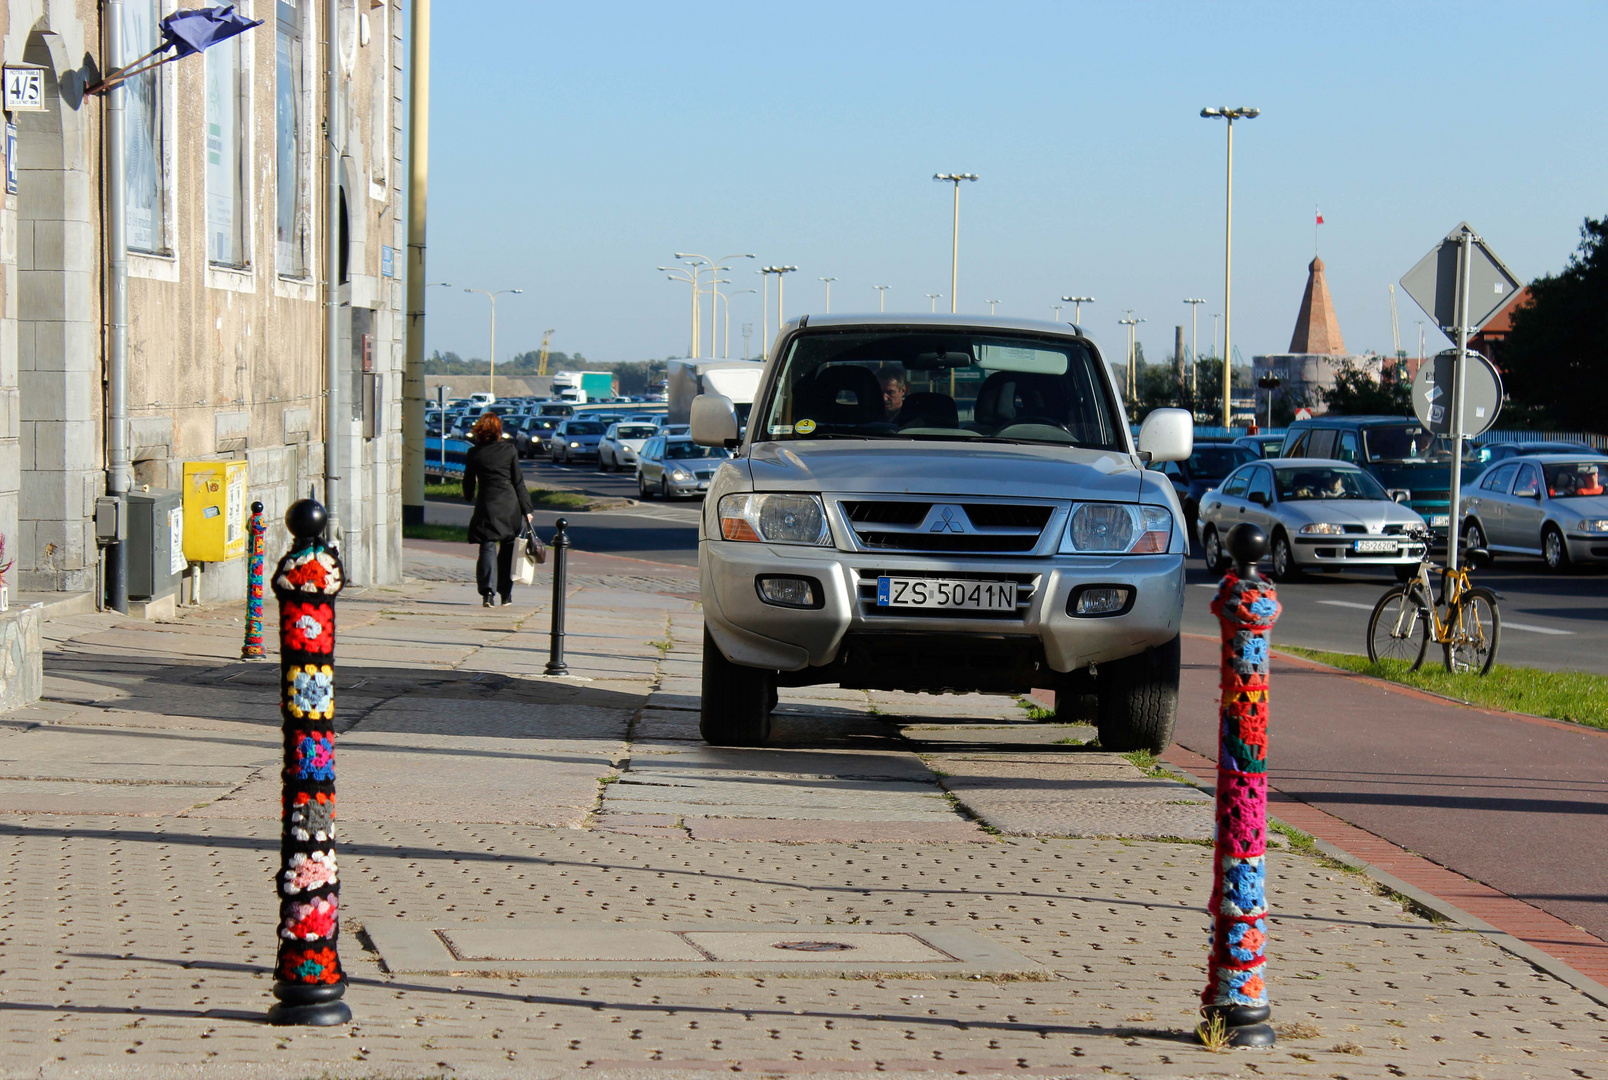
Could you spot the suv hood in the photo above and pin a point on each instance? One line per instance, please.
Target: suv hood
(944, 468)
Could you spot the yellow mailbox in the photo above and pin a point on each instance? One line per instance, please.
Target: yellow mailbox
(214, 510)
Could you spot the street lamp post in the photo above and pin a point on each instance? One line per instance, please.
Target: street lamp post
(779, 271)
(1230, 115)
(954, 252)
(692, 276)
(1131, 323)
(1057, 309)
(1077, 308)
(933, 296)
(991, 304)
(714, 315)
(729, 295)
(1194, 347)
(715, 267)
(882, 296)
(492, 296)
(828, 282)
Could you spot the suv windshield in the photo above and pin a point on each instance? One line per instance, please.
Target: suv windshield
(1209, 462)
(1309, 482)
(1408, 442)
(1577, 479)
(914, 383)
(681, 451)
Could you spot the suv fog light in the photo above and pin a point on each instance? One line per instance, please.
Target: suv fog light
(790, 591)
(1092, 601)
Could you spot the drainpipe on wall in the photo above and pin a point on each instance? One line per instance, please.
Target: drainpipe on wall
(413, 432)
(333, 425)
(118, 478)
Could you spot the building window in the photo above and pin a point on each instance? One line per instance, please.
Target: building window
(380, 92)
(293, 214)
(228, 112)
(143, 133)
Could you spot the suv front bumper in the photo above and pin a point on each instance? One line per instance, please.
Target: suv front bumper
(755, 633)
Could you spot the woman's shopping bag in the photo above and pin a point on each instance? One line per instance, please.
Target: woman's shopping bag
(530, 551)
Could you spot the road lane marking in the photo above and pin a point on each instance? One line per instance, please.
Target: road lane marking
(1535, 629)
(1529, 628)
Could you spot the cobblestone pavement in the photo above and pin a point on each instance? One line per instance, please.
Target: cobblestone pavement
(138, 829)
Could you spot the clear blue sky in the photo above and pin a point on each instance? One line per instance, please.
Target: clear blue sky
(575, 147)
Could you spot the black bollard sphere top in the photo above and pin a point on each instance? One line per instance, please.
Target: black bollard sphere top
(306, 519)
(256, 508)
(1247, 543)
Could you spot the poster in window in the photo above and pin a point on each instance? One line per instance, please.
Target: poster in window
(224, 242)
(11, 158)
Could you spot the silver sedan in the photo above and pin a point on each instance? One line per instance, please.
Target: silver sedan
(1551, 505)
(1317, 513)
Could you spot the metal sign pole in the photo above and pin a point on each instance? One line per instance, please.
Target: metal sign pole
(1453, 525)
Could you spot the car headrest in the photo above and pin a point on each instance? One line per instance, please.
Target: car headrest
(928, 410)
(1007, 396)
(841, 394)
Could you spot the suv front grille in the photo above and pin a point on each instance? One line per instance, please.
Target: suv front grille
(1026, 588)
(961, 528)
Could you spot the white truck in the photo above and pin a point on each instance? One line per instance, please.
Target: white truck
(580, 387)
(734, 379)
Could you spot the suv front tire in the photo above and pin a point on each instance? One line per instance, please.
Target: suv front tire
(1138, 699)
(737, 700)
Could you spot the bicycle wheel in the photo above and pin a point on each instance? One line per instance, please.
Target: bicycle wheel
(1398, 629)
(1476, 631)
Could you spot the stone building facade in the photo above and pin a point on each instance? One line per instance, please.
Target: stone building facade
(226, 226)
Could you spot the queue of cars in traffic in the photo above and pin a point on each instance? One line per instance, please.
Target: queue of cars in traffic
(1339, 492)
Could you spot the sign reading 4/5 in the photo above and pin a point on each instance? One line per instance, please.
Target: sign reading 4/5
(25, 89)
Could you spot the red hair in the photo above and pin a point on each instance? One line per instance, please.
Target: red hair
(488, 429)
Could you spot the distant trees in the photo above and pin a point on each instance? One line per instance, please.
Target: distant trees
(1359, 392)
(1553, 360)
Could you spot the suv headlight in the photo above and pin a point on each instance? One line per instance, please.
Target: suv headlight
(1118, 529)
(1323, 528)
(775, 519)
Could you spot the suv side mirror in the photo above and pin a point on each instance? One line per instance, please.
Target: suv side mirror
(1167, 435)
(714, 421)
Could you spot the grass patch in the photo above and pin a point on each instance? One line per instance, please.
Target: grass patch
(541, 498)
(459, 533)
(1146, 762)
(1035, 712)
(1574, 696)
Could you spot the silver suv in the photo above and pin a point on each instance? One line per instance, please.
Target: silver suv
(934, 504)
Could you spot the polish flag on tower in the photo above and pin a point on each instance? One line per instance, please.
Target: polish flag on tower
(1319, 214)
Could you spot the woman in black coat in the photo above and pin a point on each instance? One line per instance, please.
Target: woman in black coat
(493, 482)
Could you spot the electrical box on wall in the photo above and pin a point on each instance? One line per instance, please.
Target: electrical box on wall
(155, 542)
(214, 510)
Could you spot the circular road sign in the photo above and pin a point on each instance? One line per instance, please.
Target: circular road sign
(1482, 394)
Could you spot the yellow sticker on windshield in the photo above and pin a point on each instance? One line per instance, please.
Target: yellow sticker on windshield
(804, 427)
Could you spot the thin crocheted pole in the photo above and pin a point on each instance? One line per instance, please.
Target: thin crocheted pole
(253, 648)
(1246, 607)
(308, 980)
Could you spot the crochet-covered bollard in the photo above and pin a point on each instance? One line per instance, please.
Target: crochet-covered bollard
(1246, 607)
(257, 530)
(308, 980)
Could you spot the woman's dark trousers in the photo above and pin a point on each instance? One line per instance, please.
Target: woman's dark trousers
(496, 556)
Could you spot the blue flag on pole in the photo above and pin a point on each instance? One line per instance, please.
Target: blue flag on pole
(192, 30)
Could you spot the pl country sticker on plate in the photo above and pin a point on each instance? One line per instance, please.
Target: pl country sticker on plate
(804, 427)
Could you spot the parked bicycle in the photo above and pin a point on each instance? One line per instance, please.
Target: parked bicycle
(1464, 620)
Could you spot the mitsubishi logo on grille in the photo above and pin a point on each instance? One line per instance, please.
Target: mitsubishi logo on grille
(947, 519)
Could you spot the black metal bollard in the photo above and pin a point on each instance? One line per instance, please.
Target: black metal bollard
(308, 980)
(555, 651)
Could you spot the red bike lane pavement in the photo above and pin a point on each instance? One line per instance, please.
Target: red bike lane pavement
(1515, 802)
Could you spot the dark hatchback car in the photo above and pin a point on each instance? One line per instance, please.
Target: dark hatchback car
(1204, 469)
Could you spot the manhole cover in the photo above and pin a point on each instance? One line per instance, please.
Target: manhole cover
(813, 946)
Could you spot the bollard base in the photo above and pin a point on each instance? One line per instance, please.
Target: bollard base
(253, 655)
(556, 669)
(1244, 1025)
(309, 1006)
